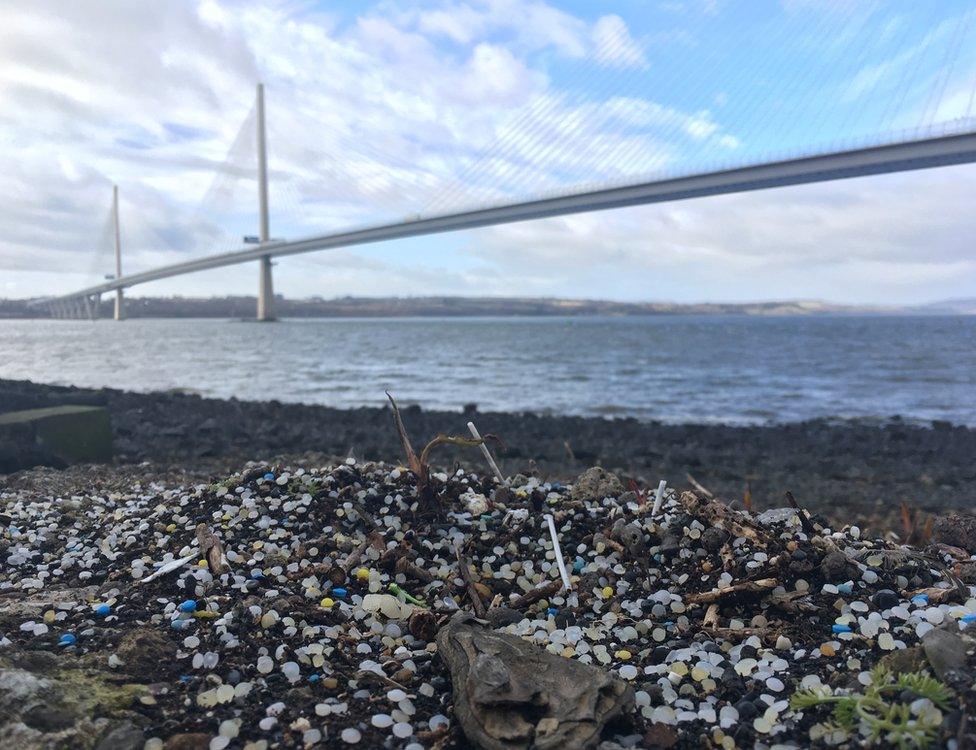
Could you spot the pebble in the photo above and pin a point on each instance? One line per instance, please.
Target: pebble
(286, 610)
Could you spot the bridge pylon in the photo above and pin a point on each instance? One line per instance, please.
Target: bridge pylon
(119, 301)
(265, 310)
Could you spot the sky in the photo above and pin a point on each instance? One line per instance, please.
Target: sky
(382, 110)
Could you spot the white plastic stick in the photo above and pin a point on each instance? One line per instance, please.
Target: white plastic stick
(659, 498)
(559, 553)
(484, 449)
(170, 567)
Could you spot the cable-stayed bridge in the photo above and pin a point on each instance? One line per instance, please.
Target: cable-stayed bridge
(930, 144)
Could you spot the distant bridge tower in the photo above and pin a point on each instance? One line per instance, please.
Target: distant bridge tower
(119, 302)
(265, 284)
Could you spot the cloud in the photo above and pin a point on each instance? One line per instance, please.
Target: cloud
(614, 46)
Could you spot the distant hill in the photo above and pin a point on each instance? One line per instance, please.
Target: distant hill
(965, 306)
(349, 307)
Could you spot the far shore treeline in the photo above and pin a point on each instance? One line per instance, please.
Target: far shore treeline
(350, 307)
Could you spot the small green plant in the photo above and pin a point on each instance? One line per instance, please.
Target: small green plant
(881, 716)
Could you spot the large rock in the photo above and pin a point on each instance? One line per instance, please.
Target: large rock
(956, 530)
(596, 483)
(945, 650)
(56, 436)
(509, 694)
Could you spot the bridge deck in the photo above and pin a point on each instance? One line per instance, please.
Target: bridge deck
(895, 157)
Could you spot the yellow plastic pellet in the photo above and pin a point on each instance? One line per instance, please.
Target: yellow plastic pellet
(362, 574)
(327, 603)
(202, 563)
(171, 528)
(623, 654)
(607, 592)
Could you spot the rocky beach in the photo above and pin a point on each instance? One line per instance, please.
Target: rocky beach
(255, 575)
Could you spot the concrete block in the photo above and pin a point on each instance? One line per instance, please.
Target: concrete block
(56, 435)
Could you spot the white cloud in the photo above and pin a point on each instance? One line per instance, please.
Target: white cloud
(614, 46)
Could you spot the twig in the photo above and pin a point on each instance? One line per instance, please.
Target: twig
(412, 570)
(746, 587)
(805, 521)
(698, 486)
(479, 607)
(487, 454)
(540, 592)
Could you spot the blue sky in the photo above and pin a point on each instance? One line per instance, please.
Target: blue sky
(389, 109)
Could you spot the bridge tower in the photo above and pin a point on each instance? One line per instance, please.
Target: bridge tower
(119, 302)
(265, 284)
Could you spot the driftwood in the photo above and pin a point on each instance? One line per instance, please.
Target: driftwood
(512, 695)
(746, 587)
(211, 549)
(715, 513)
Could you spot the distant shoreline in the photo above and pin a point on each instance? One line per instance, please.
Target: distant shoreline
(386, 307)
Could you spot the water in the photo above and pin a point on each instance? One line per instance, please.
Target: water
(736, 369)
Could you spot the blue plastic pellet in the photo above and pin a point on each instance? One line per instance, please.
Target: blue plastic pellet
(190, 605)
(340, 592)
(269, 476)
(102, 610)
(68, 639)
(841, 628)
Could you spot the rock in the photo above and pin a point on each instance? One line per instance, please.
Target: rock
(956, 530)
(143, 650)
(423, 625)
(945, 649)
(660, 736)
(714, 538)
(886, 599)
(596, 483)
(70, 434)
(834, 566)
(904, 660)
(188, 741)
(778, 515)
(125, 736)
(512, 695)
(499, 617)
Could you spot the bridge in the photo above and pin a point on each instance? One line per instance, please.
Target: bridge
(952, 143)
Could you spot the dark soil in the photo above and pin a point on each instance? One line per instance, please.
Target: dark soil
(839, 467)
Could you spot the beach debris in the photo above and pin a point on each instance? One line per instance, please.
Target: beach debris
(510, 694)
(212, 550)
(595, 484)
(554, 536)
(658, 497)
(419, 464)
(487, 454)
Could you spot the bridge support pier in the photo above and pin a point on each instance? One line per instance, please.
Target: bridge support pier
(265, 290)
(119, 305)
